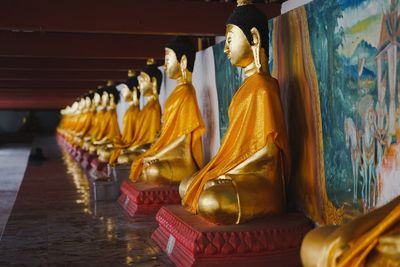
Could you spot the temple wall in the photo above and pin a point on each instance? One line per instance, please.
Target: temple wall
(11, 120)
(336, 63)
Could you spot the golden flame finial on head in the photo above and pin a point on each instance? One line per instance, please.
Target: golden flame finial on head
(131, 73)
(110, 83)
(244, 2)
(150, 61)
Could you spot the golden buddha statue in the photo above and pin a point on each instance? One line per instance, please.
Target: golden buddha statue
(94, 127)
(177, 153)
(109, 129)
(110, 154)
(84, 121)
(148, 121)
(246, 179)
(372, 239)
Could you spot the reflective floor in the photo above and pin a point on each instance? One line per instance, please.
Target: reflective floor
(54, 222)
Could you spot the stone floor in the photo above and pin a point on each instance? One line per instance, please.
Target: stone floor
(13, 161)
(55, 222)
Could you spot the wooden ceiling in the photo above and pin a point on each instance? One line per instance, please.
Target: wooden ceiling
(53, 51)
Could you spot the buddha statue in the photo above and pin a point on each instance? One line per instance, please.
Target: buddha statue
(372, 239)
(177, 153)
(246, 179)
(109, 129)
(84, 121)
(94, 127)
(148, 121)
(110, 154)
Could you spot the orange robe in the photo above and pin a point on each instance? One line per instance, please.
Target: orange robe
(255, 116)
(109, 128)
(148, 123)
(181, 117)
(128, 133)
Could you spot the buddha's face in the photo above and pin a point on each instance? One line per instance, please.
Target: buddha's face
(126, 94)
(237, 48)
(145, 85)
(88, 102)
(96, 99)
(81, 104)
(171, 65)
(75, 106)
(104, 99)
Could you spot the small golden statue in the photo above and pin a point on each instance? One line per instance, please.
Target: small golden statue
(369, 240)
(148, 121)
(247, 177)
(177, 153)
(110, 154)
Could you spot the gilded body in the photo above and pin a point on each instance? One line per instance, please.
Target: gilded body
(246, 178)
(369, 240)
(148, 121)
(177, 153)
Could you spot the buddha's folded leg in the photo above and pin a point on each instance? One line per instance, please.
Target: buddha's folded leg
(240, 198)
(167, 171)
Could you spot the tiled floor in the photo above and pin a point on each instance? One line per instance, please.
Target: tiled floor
(55, 222)
(13, 160)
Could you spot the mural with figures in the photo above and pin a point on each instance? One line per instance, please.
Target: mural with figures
(355, 50)
(336, 63)
(228, 79)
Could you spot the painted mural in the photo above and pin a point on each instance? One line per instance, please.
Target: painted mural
(336, 63)
(354, 46)
(228, 79)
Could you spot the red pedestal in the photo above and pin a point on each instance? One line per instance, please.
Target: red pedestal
(98, 165)
(140, 198)
(87, 159)
(189, 240)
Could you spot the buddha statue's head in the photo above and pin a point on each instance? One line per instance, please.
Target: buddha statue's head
(88, 103)
(247, 38)
(74, 107)
(113, 96)
(126, 94)
(150, 79)
(180, 54)
(105, 98)
(96, 98)
(82, 104)
(132, 84)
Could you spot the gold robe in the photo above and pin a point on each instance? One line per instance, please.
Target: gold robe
(148, 123)
(181, 117)
(109, 128)
(128, 132)
(255, 116)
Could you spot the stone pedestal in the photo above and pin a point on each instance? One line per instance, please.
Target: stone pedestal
(105, 190)
(120, 172)
(189, 240)
(140, 198)
(79, 154)
(98, 166)
(87, 159)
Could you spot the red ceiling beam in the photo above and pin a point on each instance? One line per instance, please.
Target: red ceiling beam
(80, 45)
(72, 75)
(45, 63)
(38, 99)
(52, 84)
(121, 16)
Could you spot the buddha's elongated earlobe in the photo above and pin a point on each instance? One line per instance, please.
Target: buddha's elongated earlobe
(154, 85)
(255, 47)
(183, 65)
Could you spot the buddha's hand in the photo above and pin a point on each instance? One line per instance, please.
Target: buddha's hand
(149, 161)
(223, 179)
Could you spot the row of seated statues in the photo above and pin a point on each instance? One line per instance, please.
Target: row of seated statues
(249, 175)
